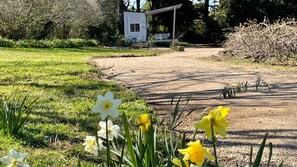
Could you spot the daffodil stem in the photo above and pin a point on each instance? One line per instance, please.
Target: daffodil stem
(214, 146)
(98, 145)
(107, 145)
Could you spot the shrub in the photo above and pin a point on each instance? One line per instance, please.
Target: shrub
(91, 42)
(56, 43)
(275, 42)
(70, 43)
(6, 43)
(32, 44)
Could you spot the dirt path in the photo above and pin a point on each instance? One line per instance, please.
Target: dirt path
(253, 113)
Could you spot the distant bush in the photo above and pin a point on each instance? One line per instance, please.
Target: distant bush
(32, 44)
(6, 43)
(184, 44)
(73, 43)
(56, 43)
(262, 42)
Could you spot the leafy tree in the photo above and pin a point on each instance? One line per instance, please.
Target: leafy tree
(43, 19)
(185, 16)
(40, 19)
(234, 12)
(205, 17)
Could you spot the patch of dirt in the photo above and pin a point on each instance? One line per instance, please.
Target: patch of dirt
(253, 113)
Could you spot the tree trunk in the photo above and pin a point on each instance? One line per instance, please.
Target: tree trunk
(154, 26)
(137, 5)
(206, 18)
(122, 8)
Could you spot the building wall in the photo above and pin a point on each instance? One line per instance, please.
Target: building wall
(135, 18)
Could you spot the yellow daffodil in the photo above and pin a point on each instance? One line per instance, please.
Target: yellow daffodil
(196, 153)
(217, 119)
(107, 106)
(224, 111)
(15, 159)
(144, 122)
(91, 144)
(178, 162)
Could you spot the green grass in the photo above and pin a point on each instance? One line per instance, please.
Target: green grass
(60, 79)
(184, 44)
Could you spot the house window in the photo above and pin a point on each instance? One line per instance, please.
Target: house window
(134, 27)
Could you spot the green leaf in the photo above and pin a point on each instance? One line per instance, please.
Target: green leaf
(184, 140)
(122, 154)
(195, 133)
(78, 161)
(281, 164)
(251, 156)
(129, 140)
(176, 109)
(260, 152)
(183, 163)
(270, 154)
(14, 114)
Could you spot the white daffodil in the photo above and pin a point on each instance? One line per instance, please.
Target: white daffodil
(113, 130)
(15, 159)
(91, 144)
(107, 106)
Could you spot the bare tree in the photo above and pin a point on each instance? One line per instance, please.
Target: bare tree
(40, 18)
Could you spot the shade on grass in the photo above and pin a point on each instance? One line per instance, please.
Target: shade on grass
(66, 88)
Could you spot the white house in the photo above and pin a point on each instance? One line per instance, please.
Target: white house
(135, 26)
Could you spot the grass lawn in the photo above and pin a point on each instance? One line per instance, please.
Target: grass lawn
(60, 79)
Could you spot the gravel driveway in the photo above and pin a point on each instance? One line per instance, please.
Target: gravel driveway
(158, 78)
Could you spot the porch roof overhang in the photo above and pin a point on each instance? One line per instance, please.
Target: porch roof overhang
(169, 8)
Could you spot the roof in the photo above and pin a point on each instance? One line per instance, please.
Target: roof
(169, 8)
